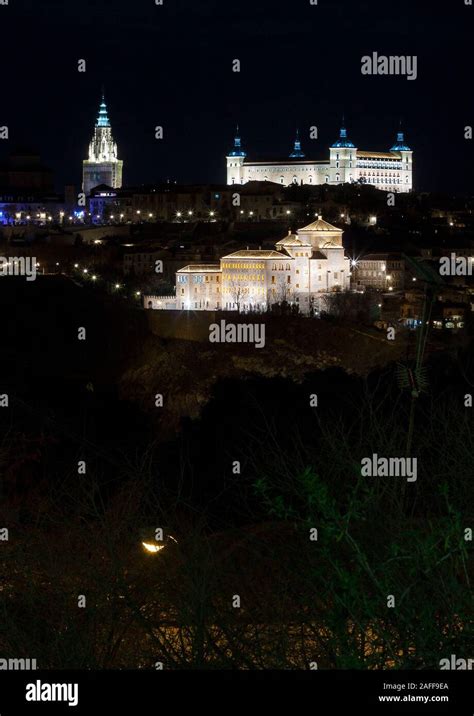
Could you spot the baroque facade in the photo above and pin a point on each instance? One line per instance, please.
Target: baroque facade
(302, 267)
(388, 171)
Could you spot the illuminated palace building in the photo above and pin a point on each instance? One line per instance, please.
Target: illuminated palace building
(389, 171)
(303, 267)
(103, 165)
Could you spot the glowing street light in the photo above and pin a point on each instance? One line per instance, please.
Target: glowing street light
(85, 271)
(153, 548)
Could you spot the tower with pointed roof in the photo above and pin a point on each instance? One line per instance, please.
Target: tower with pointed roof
(297, 152)
(235, 160)
(406, 156)
(103, 165)
(342, 159)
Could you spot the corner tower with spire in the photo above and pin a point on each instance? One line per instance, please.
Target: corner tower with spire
(406, 156)
(235, 160)
(103, 165)
(342, 159)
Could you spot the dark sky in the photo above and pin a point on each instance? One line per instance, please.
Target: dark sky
(172, 66)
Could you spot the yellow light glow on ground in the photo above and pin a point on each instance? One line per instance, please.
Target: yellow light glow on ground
(153, 547)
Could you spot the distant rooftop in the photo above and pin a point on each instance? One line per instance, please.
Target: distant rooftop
(320, 225)
(200, 268)
(255, 254)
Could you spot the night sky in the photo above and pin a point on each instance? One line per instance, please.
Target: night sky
(172, 66)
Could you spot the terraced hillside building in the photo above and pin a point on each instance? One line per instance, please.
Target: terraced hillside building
(302, 267)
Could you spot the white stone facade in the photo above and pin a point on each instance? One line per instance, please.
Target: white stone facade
(304, 266)
(389, 171)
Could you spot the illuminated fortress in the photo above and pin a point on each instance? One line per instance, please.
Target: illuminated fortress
(388, 171)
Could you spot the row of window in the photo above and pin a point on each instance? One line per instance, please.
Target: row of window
(243, 277)
(242, 266)
(197, 278)
(367, 174)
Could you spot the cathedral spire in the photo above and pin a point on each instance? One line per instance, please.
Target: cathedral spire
(103, 119)
(297, 152)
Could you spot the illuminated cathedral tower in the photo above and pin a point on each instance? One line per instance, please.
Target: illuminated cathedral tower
(103, 166)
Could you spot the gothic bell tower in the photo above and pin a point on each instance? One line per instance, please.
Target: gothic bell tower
(103, 165)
